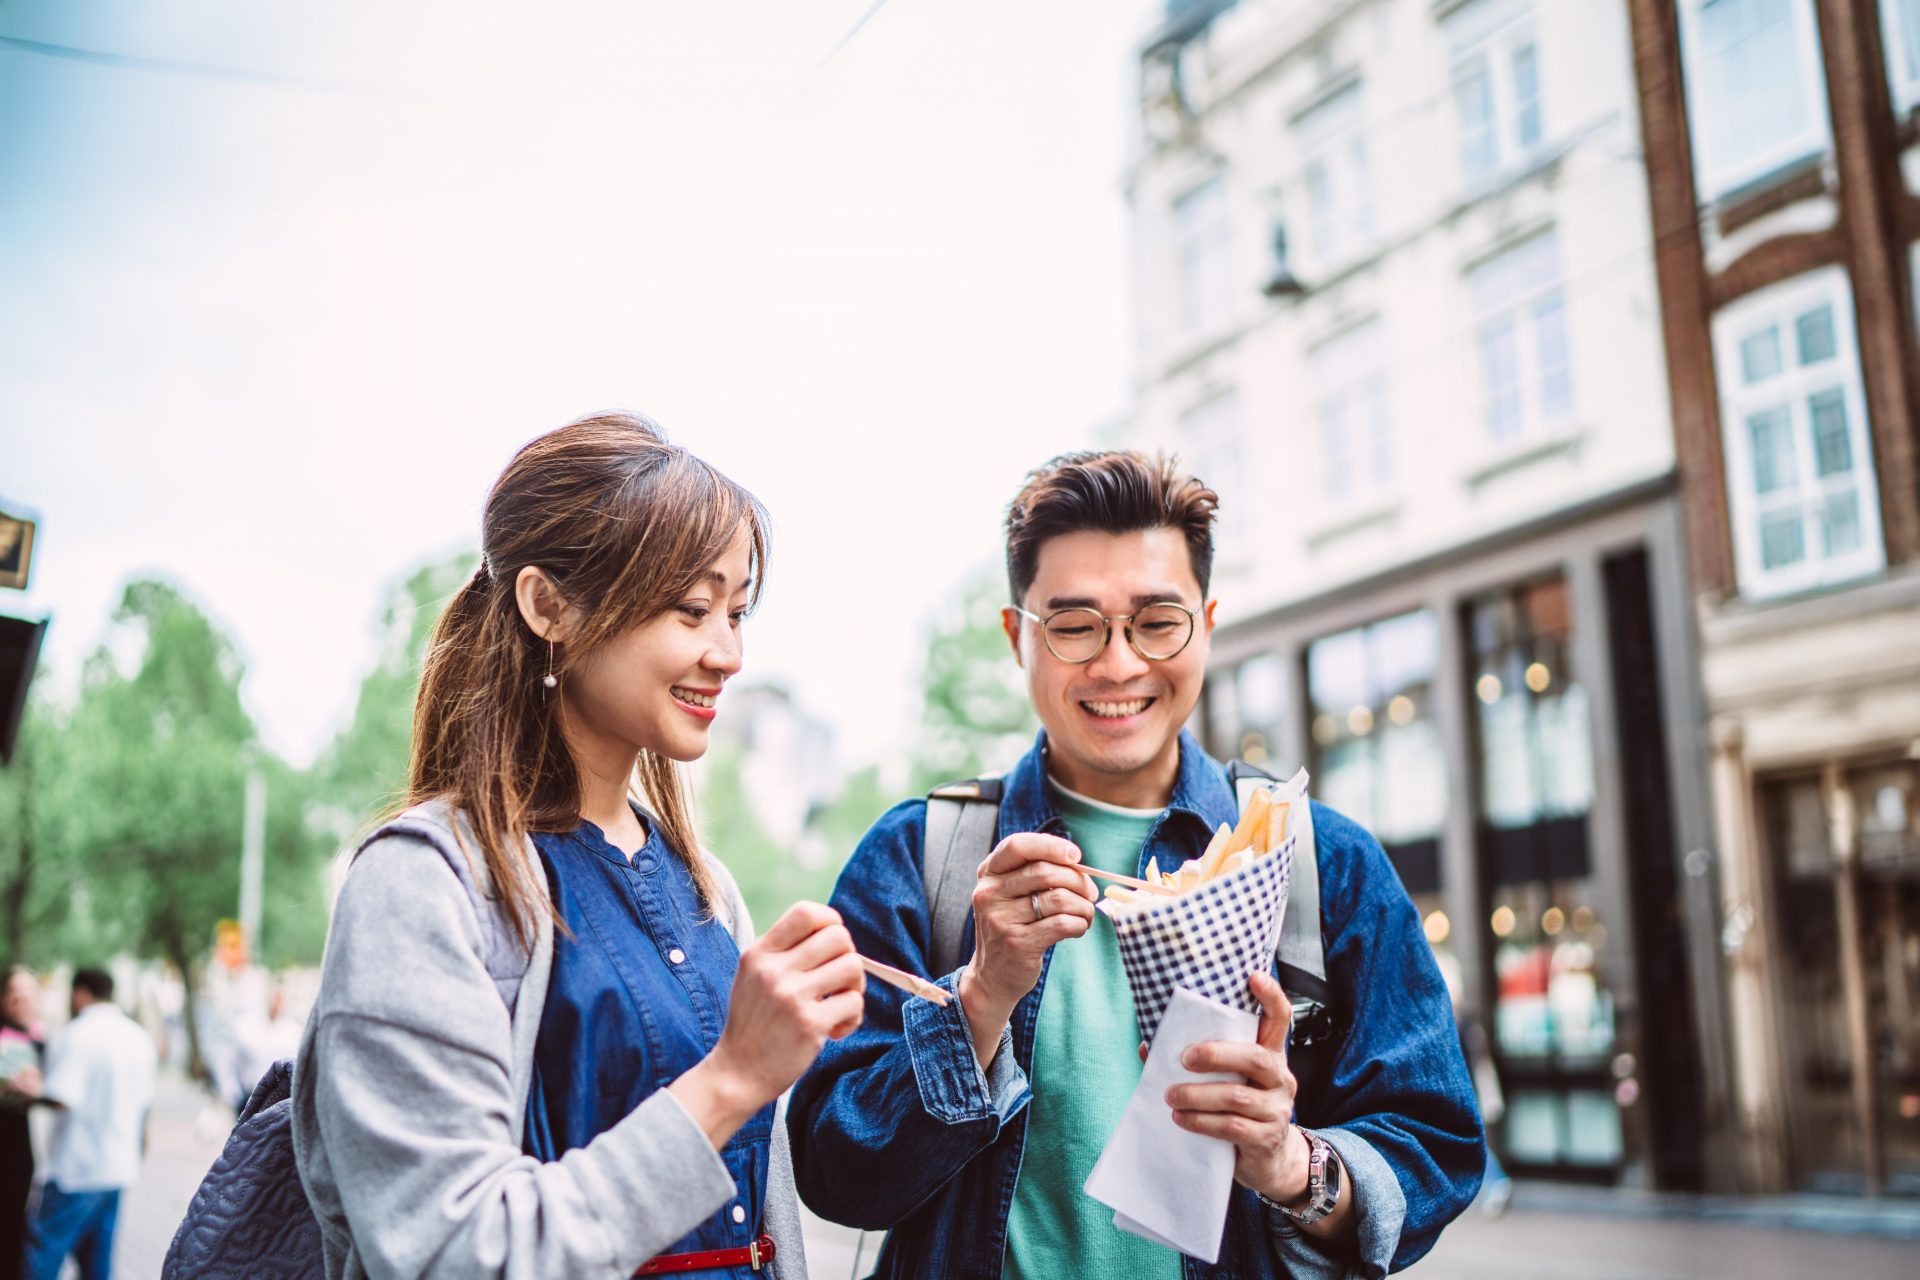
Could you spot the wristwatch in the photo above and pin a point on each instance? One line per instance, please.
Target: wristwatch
(1323, 1183)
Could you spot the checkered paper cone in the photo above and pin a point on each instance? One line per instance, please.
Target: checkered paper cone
(1210, 940)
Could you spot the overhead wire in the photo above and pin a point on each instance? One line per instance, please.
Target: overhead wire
(191, 70)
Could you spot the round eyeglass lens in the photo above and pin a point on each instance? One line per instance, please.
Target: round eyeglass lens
(1162, 630)
(1076, 635)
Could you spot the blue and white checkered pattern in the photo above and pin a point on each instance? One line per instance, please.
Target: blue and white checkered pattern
(1211, 940)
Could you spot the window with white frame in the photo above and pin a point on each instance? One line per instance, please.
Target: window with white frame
(1901, 19)
(1800, 482)
(1496, 88)
(1335, 180)
(1355, 416)
(1756, 94)
(1520, 328)
(1203, 243)
(1215, 451)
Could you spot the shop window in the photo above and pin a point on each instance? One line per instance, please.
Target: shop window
(1377, 755)
(1535, 743)
(1756, 94)
(1823, 1120)
(1245, 706)
(1800, 480)
(1553, 1010)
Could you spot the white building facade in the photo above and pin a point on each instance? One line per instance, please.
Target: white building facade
(1396, 302)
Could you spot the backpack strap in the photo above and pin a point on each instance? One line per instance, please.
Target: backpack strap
(1301, 956)
(962, 819)
(435, 824)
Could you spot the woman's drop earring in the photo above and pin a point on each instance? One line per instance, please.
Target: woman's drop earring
(550, 680)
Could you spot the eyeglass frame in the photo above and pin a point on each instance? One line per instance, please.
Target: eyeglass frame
(1106, 623)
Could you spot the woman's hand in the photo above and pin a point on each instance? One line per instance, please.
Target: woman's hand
(797, 987)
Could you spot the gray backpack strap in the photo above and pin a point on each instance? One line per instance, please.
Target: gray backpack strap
(1301, 954)
(962, 820)
(433, 823)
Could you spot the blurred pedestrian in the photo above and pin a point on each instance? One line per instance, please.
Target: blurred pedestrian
(23, 1045)
(259, 1042)
(100, 1077)
(644, 1036)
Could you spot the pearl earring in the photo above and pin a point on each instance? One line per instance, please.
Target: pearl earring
(550, 680)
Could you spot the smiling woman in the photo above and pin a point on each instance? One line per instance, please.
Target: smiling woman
(548, 864)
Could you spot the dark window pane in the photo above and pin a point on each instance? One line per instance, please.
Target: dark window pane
(1832, 450)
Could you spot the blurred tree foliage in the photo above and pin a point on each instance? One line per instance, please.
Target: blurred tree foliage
(974, 714)
(363, 773)
(36, 834)
(158, 747)
(770, 876)
(121, 816)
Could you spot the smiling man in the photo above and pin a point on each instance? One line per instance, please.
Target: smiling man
(968, 1130)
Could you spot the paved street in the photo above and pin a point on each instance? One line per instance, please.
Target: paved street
(1526, 1245)
(1617, 1238)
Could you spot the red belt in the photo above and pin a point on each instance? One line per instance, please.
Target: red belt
(755, 1255)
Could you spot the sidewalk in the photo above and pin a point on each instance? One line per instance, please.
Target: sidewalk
(1565, 1233)
(188, 1129)
(1562, 1232)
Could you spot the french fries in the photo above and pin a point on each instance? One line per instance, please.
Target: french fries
(1261, 830)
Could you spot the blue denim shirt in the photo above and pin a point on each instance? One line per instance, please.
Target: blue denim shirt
(638, 995)
(897, 1127)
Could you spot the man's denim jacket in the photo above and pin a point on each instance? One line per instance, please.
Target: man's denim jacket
(897, 1127)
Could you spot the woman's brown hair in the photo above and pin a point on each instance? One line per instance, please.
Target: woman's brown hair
(625, 524)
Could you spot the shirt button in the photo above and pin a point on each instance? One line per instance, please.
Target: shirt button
(739, 1214)
(677, 956)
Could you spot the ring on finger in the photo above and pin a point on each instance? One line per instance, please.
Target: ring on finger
(1039, 912)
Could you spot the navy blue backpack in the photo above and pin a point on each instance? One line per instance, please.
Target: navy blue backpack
(250, 1219)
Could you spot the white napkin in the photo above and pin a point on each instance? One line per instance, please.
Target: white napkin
(1163, 1182)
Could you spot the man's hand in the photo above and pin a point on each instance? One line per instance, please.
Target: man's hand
(1270, 1155)
(1029, 896)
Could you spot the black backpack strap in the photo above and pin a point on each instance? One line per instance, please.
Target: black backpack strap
(962, 819)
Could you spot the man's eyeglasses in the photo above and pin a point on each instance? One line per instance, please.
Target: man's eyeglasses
(1157, 632)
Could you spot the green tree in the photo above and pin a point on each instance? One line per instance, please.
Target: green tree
(363, 772)
(771, 876)
(838, 826)
(36, 830)
(974, 711)
(159, 748)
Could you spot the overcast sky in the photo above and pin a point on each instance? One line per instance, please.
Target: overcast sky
(282, 287)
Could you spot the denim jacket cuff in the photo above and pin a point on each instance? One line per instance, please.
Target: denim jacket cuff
(953, 1088)
(1379, 1207)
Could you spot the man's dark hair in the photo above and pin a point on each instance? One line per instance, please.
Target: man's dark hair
(1115, 491)
(97, 983)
